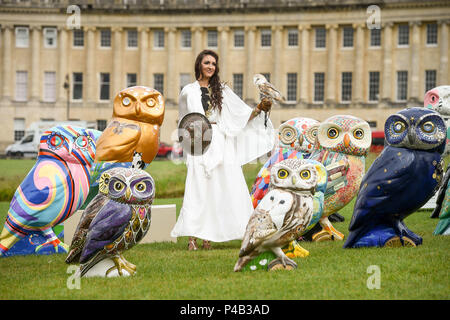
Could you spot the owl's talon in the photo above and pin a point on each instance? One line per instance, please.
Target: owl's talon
(281, 264)
(120, 265)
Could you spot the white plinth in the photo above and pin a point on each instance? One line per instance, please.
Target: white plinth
(164, 218)
(100, 269)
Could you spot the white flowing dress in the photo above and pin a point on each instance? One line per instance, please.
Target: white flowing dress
(217, 203)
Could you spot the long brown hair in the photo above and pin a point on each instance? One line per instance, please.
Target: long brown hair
(214, 82)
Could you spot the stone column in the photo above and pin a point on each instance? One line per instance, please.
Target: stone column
(386, 82)
(250, 89)
(143, 56)
(35, 62)
(304, 64)
(359, 69)
(170, 92)
(7, 62)
(330, 76)
(443, 77)
(414, 91)
(197, 33)
(117, 78)
(277, 47)
(223, 51)
(62, 70)
(89, 83)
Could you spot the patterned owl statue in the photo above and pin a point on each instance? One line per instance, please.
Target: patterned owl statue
(53, 190)
(132, 135)
(343, 142)
(438, 99)
(400, 180)
(293, 205)
(296, 138)
(115, 220)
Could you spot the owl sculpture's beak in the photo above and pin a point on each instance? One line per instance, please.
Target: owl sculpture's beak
(128, 193)
(294, 181)
(70, 147)
(138, 109)
(346, 140)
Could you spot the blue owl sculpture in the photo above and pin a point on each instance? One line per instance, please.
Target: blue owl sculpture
(53, 190)
(400, 181)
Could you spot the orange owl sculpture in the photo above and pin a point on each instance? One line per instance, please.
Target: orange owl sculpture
(137, 116)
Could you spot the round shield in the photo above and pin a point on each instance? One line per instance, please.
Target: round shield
(194, 133)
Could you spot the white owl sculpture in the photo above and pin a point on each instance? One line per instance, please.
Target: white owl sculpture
(285, 212)
(438, 99)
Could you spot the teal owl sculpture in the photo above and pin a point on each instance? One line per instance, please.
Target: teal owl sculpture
(53, 190)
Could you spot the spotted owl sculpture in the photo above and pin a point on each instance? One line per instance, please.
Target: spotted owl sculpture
(292, 206)
(400, 181)
(115, 220)
(53, 190)
(343, 142)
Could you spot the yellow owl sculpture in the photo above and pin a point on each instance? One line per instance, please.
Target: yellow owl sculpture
(137, 116)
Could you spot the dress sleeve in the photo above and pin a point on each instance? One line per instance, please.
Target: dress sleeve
(187, 102)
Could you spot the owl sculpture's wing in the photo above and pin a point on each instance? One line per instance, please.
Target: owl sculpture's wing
(267, 220)
(118, 142)
(107, 226)
(385, 191)
(79, 237)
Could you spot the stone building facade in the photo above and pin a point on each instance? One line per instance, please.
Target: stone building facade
(367, 58)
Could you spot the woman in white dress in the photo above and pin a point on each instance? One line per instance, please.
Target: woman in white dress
(217, 205)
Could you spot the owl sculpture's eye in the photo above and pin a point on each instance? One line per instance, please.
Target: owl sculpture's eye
(151, 102)
(141, 187)
(399, 127)
(332, 133)
(82, 142)
(118, 186)
(305, 174)
(428, 127)
(288, 135)
(126, 101)
(283, 174)
(56, 141)
(358, 134)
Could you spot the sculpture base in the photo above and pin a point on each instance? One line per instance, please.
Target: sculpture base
(100, 269)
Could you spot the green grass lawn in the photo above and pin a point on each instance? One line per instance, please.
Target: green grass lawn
(169, 271)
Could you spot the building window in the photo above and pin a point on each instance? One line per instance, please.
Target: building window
(101, 124)
(402, 85)
(105, 38)
(77, 86)
(19, 128)
(347, 37)
(321, 37)
(292, 87)
(239, 37)
(21, 85)
(50, 36)
(185, 78)
(375, 37)
(238, 84)
(430, 79)
(432, 34)
(403, 35)
(319, 86)
(158, 82)
(49, 86)
(104, 86)
(293, 37)
(78, 38)
(374, 85)
(346, 88)
(186, 38)
(212, 39)
(132, 38)
(22, 37)
(266, 38)
(131, 79)
(158, 40)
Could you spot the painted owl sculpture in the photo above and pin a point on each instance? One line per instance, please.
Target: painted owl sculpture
(293, 205)
(132, 135)
(53, 190)
(400, 181)
(114, 221)
(438, 99)
(343, 142)
(296, 139)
